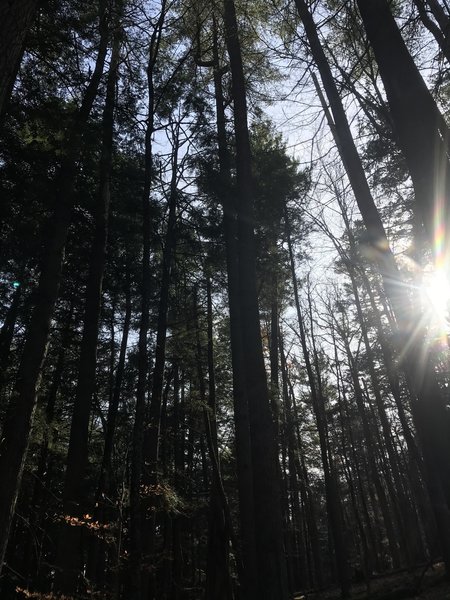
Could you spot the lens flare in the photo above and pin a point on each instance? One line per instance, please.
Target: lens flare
(436, 288)
(436, 281)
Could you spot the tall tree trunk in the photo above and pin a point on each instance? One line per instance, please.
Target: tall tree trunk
(151, 441)
(103, 512)
(373, 532)
(266, 486)
(240, 404)
(74, 494)
(44, 472)
(273, 353)
(361, 516)
(23, 400)
(294, 475)
(341, 131)
(371, 458)
(218, 583)
(113, 408)
(151, 438)
(134, 584)
(405, 512)
(178, 453)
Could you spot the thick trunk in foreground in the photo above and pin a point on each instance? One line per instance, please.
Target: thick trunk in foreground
(240, 405)
(268, 518)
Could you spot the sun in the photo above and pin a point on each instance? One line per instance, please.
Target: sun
(436, 296)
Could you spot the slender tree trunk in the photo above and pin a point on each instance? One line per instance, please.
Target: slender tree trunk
(373, 525)
(371, 459)
(349, 154)
(178, 452)
(334, 508)
(105, 489)
(134, 585)
(151, 441)
(309, 501)
(390, 364)
(273, 354)
(293, 451)
(404, 516)
(44, 472)
(218, 583)
(113, 408)
(361, 516)
(74, 495)
(151, 438)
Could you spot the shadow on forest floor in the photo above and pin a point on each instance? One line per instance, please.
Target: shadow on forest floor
(423, 583)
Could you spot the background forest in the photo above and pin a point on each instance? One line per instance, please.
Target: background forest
(224, 294)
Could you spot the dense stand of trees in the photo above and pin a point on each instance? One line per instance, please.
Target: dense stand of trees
(224, 363)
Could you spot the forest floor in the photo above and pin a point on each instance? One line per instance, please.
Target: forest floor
(423, 583)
